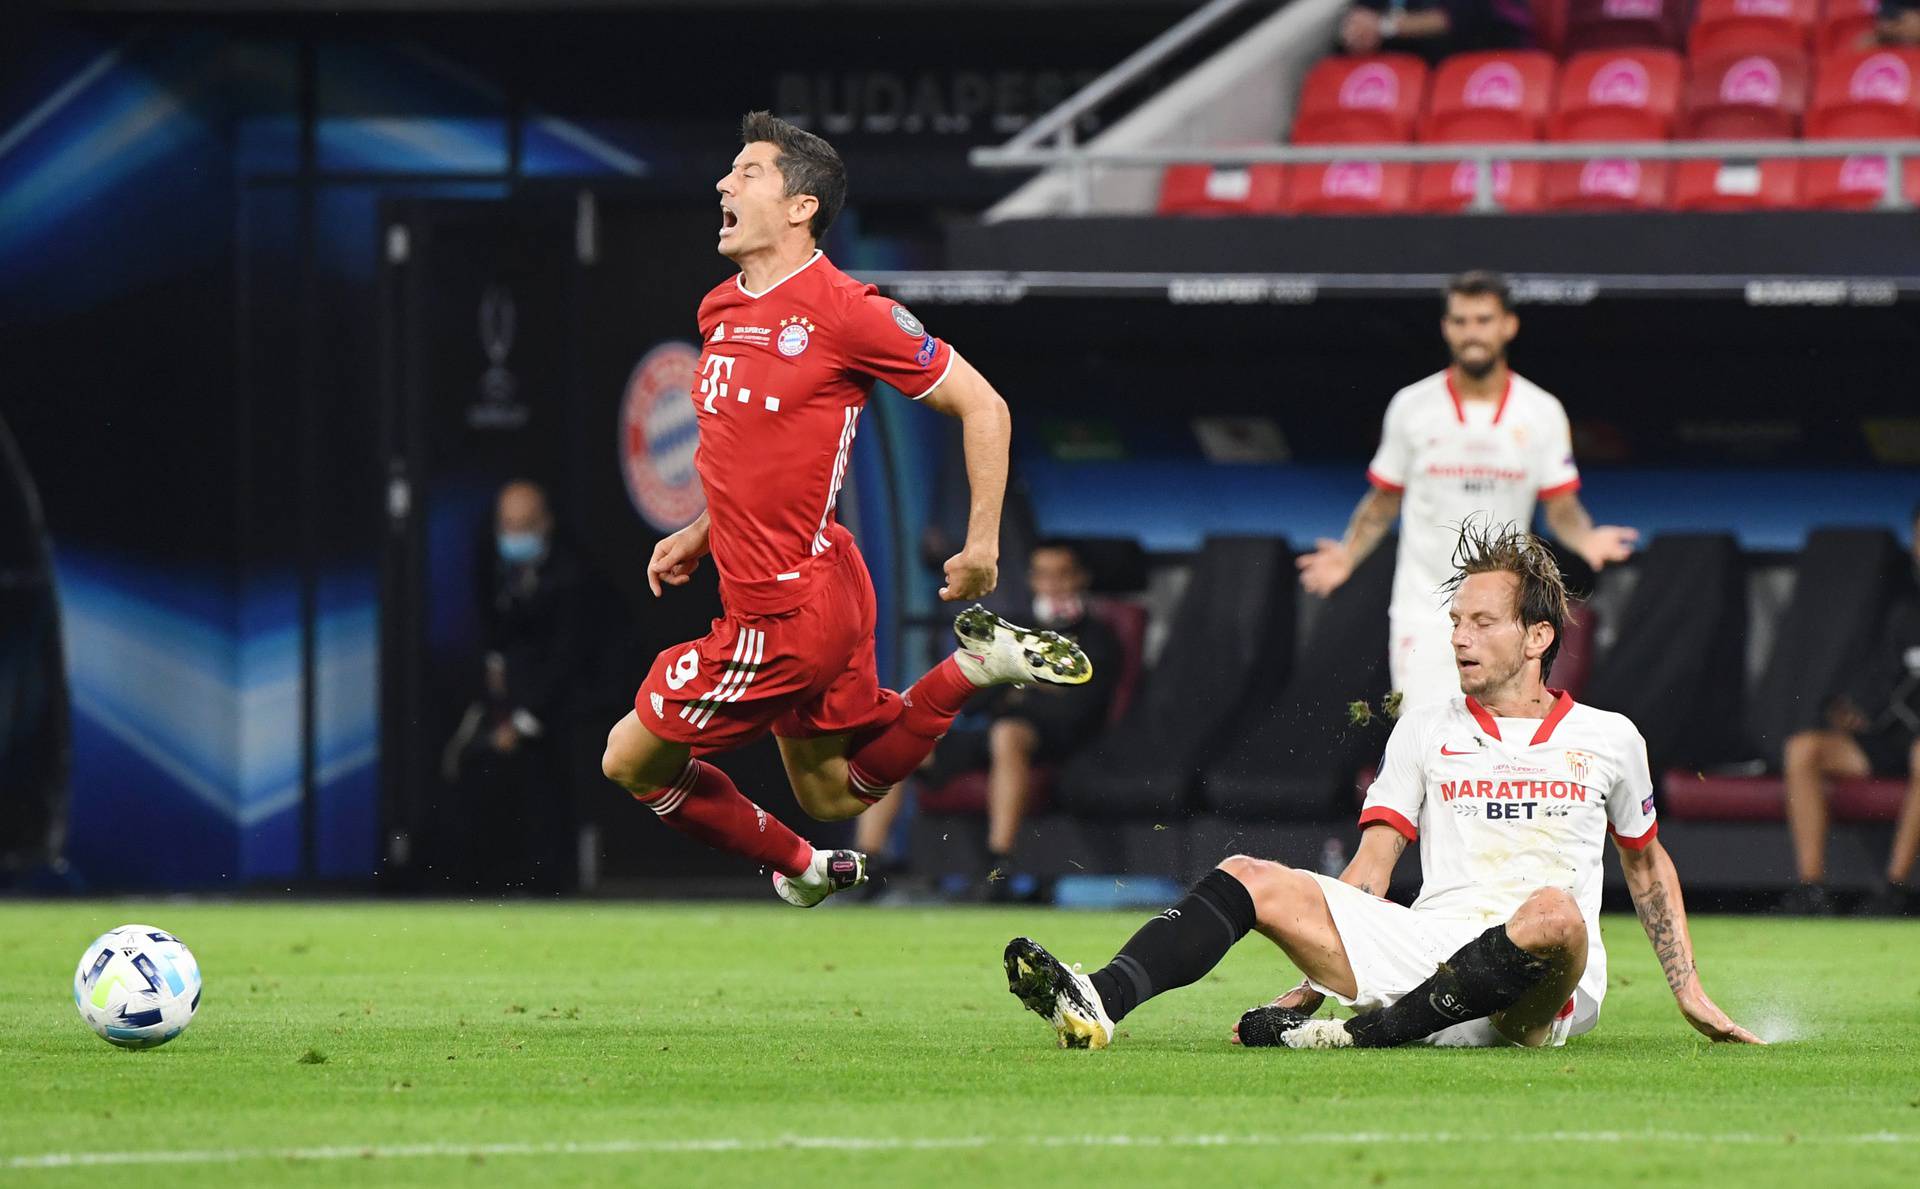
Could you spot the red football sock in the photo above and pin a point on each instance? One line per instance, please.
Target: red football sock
(883, 757)
(704, 804)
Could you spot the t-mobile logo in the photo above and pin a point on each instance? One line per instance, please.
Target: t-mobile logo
(716, 372)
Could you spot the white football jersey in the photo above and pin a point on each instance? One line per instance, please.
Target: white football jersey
(1455, 458)
(1504, 806)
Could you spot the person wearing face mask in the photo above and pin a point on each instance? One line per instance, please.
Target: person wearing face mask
(1872, 729)
(508, 756)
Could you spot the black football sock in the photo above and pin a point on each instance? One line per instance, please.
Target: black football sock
(1484, 976)
(1177, 947)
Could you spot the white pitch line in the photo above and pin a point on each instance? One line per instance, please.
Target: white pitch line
(833, 1143)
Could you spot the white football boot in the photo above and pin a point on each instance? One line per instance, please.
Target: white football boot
(995, 652)
(831, 871)
(1057, 994)
(1322, 1033)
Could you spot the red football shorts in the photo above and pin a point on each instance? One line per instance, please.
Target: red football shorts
(805, 672)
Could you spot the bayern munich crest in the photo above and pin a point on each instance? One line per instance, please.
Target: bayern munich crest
(795, 333)
(659, 429)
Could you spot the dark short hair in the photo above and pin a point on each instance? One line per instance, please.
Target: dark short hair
(1488, 548)
(808, 163)
(1482, 283)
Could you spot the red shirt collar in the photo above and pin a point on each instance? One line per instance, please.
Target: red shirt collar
(1460, 408)
(1562, 703)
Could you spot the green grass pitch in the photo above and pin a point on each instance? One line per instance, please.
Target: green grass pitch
(705, 1045)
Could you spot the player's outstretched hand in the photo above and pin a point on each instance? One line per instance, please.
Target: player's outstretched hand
(970, 576)
(674, 560)
(1303, 999)
(1608, 544)
(1709, 1021)
(1323, 570)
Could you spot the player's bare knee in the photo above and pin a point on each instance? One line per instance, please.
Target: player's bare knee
(1271, 885)
(615, 765)
(1549, 921)
(1805, 749)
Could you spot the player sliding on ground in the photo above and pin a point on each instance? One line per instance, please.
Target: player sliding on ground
(792, 346)
(1511, 791)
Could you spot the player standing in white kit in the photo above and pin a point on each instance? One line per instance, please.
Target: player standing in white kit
(1475, 438)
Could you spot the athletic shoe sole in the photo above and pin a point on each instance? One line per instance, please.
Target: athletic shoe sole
(1050, 656)
(1049, 990)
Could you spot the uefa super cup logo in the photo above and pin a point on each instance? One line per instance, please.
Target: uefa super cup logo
(498, 407)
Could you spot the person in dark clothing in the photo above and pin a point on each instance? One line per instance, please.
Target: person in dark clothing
(509, 757)
(1435, 28)
(1028, 725)
(1872, 729)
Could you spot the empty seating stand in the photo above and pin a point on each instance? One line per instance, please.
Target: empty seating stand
(1677, 666)
(1867, 93)
(1292, 756)
(1488, 97)
(1736, 185)
(1745, 26)
(1369, 100)
(1231, 639)
(1616, 24)
(1223, 190)
(1449, 186)
(1746, 95)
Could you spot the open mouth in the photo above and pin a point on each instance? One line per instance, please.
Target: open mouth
(728, 220)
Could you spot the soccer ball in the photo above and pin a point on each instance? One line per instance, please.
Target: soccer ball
(137, 986)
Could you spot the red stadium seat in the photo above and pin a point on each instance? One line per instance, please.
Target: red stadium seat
(1221, 190)
(1444, 187)
(1727, 26)
(1361, 100)
(1490, 97)
(1618, 95)
(1619, 24)
(1607, 184)
(1845, 25)
(1691, 796)
(1350, 188)
(1867, 93)
(1851, 183)
(1550, 25)
(1746, 96)
(1736, 185)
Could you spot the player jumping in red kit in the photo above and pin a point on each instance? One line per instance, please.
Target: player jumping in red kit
(790, 349)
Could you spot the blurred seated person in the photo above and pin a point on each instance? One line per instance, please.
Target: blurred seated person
(1898, 24)
(1873, 729)
(1433, 29)
(1023, 725)
(508, 759)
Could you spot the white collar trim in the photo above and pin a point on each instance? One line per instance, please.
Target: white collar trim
(783, 280)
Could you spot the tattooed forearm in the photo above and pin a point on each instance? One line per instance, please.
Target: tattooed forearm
(1656, 917)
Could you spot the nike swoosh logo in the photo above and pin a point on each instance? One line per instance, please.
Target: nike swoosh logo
(1445, 752)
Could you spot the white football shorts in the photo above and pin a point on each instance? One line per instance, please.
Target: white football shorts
(1394, 949)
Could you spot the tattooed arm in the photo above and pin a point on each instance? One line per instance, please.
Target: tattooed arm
(1655, 886)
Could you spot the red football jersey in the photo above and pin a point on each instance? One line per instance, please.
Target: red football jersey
(783, 376)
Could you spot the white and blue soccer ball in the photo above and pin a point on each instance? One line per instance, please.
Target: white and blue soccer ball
(137, 986)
